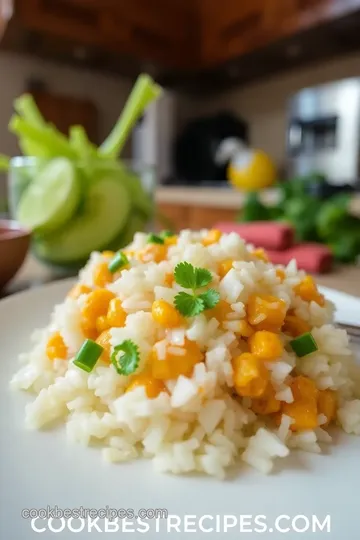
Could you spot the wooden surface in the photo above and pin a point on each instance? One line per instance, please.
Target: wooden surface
(344, 278)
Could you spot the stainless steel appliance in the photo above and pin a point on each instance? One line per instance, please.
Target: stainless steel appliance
(324, 132)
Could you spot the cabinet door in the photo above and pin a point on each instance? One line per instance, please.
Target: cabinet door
(173, 216)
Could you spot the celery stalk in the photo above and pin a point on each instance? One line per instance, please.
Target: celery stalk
(143, 93)
(47, 138)
(26, 107)
(80, 143)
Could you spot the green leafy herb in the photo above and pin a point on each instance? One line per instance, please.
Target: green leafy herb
(304, 344)
(166, 234)
(189, 305)
(119, 261)
(126, 357)
(193, 278)
(210, 298)
(88, 355)
(155, 239)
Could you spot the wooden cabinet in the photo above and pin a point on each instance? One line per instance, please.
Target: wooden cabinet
(194, 217)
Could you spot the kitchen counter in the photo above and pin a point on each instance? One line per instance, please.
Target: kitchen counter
(33, 273)
(221, 197)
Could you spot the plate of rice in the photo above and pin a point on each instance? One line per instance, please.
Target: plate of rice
(185, 372)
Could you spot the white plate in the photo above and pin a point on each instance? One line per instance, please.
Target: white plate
(41, 469)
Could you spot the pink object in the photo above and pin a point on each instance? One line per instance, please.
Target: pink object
(311, 257)
(267, 234)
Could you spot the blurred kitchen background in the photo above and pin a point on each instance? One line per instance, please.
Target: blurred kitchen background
(280, 76)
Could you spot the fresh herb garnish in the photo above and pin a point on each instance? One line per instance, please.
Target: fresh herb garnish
(118, 261)
(155, 239)
(126, 357)
(166, 234)
(194, 278)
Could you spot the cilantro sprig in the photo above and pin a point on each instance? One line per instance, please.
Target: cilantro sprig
(125, 357)
(194, 278)
(155, 239)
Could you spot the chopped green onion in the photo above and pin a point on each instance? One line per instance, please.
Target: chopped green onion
(154, 239)
(304, 344)
(88, 355)
(166, 234)
(119, 261)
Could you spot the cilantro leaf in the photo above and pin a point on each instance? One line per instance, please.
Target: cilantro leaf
(188, 305)
(185, 275)
(126, 363)
(155, 239)
(210, 298)
(203, 277)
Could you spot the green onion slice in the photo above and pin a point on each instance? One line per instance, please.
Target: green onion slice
(88, 355)
(119, 261)
(166, 234)
(155, 239)
(304, 344)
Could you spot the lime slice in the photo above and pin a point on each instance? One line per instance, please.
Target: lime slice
(51, 199)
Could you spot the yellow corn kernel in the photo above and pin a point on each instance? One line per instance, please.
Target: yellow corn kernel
(102, 275)
(102, 324)
(303, 388)
(171, 240)
(212, 237)
(260, 254)
(280, 274)
(96, 305)
(307, 291)
(245, 329)
(173, 365)
(78, 290)
(153, 387)
(153, 252)
(220, 311)
(304, 414)
(165, 314)
(266, 312)
(250, 376)
(267, 404)
(266, 345)
(224, 267)
(295, 326)
(327, 404)
(169, 279)
(116, 315)
(104, 341)
(108, 254)
(56, 348)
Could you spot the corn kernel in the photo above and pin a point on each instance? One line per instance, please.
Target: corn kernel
(153, 387)
(267, 404)
(169, 279)
(266, 312)
(295, 326)
(165, 314)
(102, 275)
(212, 237)
(224, 267)
(308, 291)
(220, 311)
(260, 254)
(171, 240)
(153, 252)
(96, 305)
(116, 315)
(280, 274)
(327, 404)
(245, 329)
(104, 341)
(102, 324)
(304, 414)
(108, 254)
(78, 290)
(303, 388)
(250, 376)
(56, 348)
(172, 366)
(266, 345)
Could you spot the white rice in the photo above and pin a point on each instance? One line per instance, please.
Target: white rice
(199, 424)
